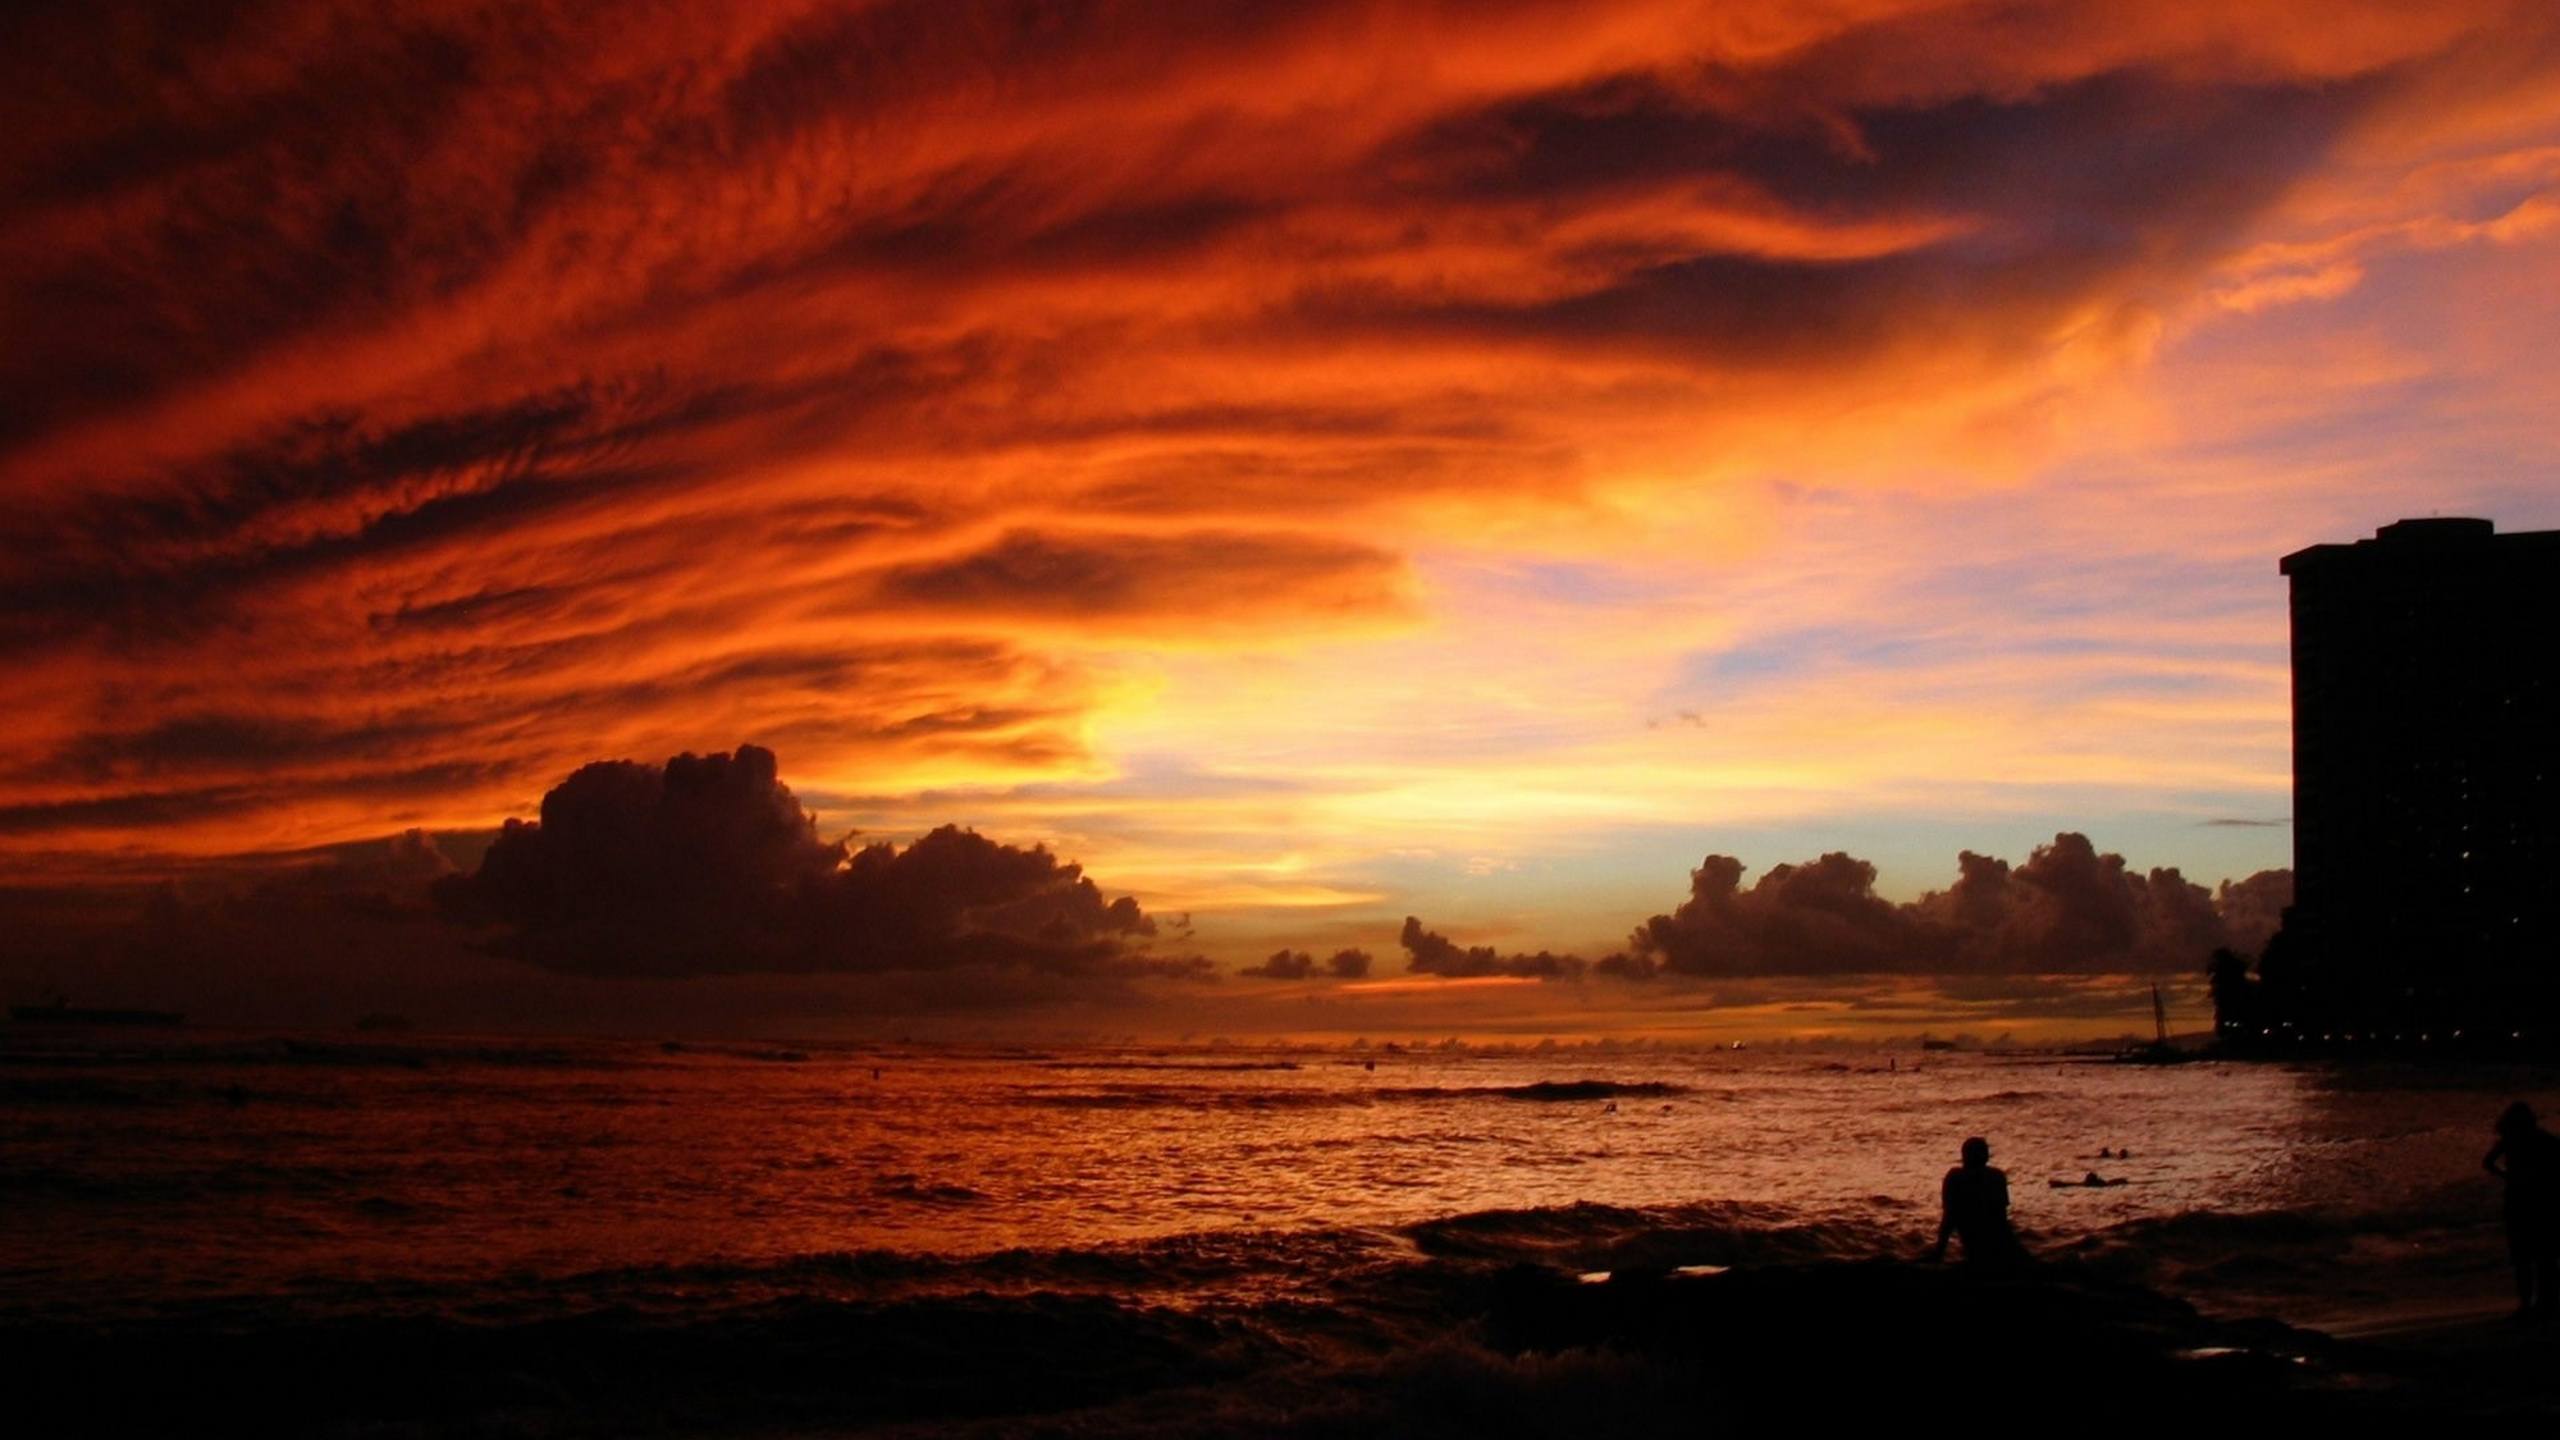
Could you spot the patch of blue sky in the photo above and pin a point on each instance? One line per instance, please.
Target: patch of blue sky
(1813, 650)
(1707, 675)
(1571, 583)
(1583, 583)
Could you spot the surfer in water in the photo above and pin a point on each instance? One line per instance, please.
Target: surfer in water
(1974, 1207)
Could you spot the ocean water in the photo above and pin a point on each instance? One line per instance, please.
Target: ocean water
(185, 1184)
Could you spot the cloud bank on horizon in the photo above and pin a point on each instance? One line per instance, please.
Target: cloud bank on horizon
(1115, 425)
(698, 893)
(2068, 909)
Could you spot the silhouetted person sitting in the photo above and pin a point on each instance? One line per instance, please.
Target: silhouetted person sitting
(1974, 1208)
(2527, 1157)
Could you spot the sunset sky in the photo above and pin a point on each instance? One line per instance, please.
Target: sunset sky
(1308, 464)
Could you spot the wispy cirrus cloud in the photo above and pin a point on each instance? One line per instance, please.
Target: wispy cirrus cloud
(968, 401)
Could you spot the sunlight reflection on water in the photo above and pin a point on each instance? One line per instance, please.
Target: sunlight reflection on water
(212, 1171)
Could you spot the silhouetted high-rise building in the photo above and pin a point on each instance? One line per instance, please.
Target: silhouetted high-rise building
(2426, 777)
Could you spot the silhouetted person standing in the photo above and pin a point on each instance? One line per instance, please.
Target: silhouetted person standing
(2527, 1157)
(1974, 1207)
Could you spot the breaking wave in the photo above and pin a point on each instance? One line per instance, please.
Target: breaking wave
(1541, 1090)
(1140, 1095)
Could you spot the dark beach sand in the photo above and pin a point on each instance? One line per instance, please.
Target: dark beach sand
(1440, 1349)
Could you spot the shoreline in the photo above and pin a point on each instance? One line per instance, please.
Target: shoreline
(1453, 1346)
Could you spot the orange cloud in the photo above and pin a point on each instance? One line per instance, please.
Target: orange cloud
(402, 412)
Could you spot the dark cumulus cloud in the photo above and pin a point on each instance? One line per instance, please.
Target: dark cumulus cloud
(708, 864)
(1427, 952)
(2069, 908)
(1349, 964)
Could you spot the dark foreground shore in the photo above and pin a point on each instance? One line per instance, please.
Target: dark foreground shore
(1447, 1347)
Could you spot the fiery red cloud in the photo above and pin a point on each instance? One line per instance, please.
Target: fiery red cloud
(406, 410)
